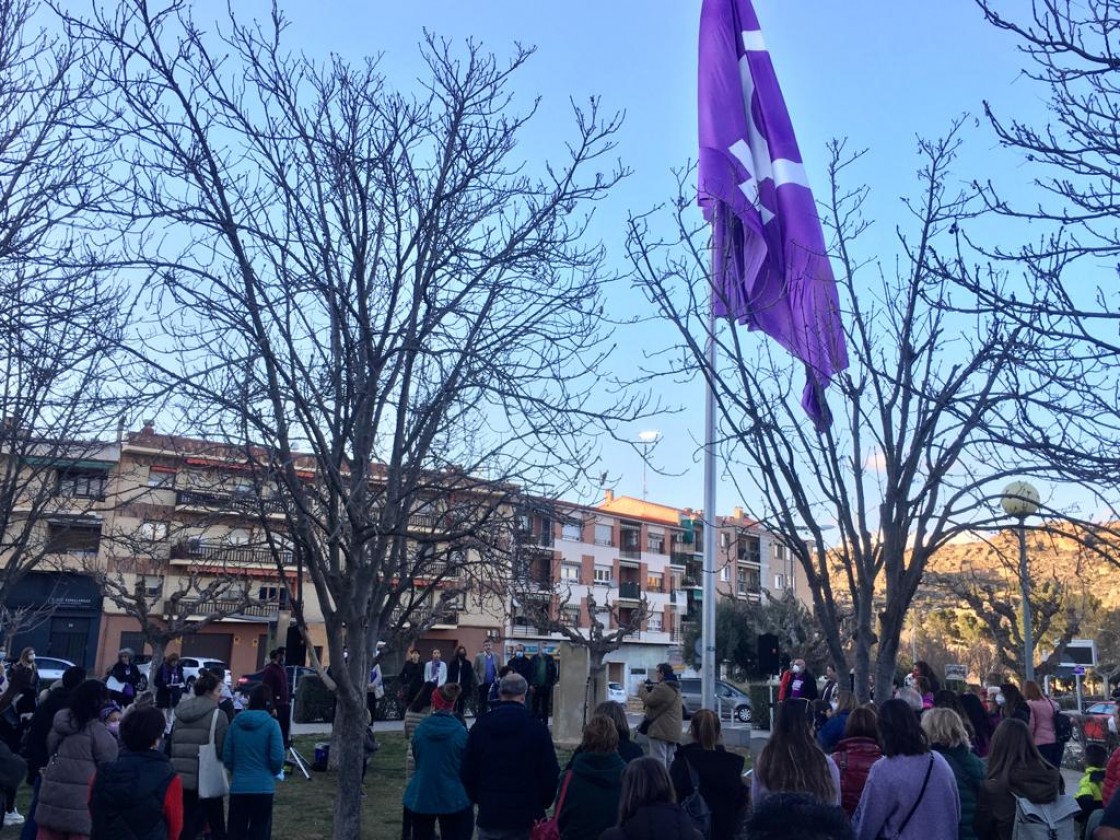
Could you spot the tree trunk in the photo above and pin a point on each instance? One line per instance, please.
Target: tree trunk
(349, 729)
(596, 682)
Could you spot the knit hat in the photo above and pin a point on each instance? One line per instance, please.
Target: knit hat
(441, 702)
(107, 710)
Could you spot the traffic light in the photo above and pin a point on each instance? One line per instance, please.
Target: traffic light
(768, 653)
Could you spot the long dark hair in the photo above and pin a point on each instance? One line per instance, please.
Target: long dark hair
(1013, 751)
(86, 702)
(977, 717)
(902, 733)
(423, 698)
(791, 761)
(1013, 699)
(645, 781)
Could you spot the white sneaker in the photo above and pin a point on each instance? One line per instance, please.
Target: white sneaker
(14, 818)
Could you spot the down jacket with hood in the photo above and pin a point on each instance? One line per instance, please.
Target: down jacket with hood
(663, 709)
(591, 802)
(253, 752)
(76, 753)
(437, 748)
(509, 767)
(995, 804)
(193, 717)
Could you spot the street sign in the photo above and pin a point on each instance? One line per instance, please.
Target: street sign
(1079, 670)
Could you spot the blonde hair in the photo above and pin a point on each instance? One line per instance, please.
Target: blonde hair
(845, 701)
(945, 728)
(705, 729)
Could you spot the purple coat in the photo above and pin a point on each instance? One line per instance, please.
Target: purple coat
(891, 790)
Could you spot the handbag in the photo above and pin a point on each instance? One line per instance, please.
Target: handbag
(917, 802)
(549, 827)
(695, 805)
(213, 782)
(643, 727)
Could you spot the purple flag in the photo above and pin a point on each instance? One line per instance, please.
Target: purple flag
(770, 269)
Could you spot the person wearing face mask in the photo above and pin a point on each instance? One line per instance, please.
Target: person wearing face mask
(798, 682)
(833, 731)
(1012, 704)
(520, 664)
(111, 717)
(461, 672)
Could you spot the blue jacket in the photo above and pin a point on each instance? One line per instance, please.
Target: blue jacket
(832, 733)
(509, 768)
(253, 752)
(437, 746)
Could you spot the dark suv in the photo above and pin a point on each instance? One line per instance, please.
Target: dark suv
(730, 699)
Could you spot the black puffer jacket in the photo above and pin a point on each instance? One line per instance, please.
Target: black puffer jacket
(663, 821)
(127, 797)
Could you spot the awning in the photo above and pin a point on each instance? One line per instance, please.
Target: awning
(69, 463)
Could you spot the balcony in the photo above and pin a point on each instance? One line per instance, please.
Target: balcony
(240, 503)
(630, 552)
(630, 591)
(228, 554)
(528, 630)
(681, 558)
(446, 620)
(266, 610)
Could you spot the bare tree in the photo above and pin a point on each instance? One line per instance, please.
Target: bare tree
(61, 318)
(909, 460)
(370, 292)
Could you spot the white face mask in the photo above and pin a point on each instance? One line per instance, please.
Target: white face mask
(519, 654)
(909, 681)
(31, 657)
(1000, 699)
(114, 727)
(835, 705)
(796, 669)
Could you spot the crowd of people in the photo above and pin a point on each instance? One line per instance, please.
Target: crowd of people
(926, 764)
(104, 758)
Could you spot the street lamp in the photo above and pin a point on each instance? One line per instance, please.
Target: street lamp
(1020, 500)
(648, 439)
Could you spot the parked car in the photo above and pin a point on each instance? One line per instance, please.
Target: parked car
(246, 683)
(616, 692)
(192, 666)
(1098, 722)
(730, 700)
(50, 669)
(143, 661)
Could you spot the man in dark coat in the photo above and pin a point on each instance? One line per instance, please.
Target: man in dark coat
(460, 670)
(509, 767)
(520, 664)
(543, 676)
(276, 677)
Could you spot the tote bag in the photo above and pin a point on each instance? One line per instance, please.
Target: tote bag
(213, 782)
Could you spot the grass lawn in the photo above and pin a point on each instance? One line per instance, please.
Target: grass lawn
(303, 810)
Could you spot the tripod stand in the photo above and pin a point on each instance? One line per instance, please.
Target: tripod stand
(299, 761)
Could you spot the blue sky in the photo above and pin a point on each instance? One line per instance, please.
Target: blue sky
(879, 72)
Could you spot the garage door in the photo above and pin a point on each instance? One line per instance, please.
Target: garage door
(209, 646)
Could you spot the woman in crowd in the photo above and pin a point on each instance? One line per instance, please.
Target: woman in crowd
(840, 707)
(981, 733)
(461, 670)
(921, 669)
(411, 678)
(1015, 768)
(647, 809)
(948, 737)
(1042, 711)
(719, 773)
(417, 711)
(857, 751)
(78, 745)
(911, 793)
(253, 753)
(921, 685)
(791, 761)
(195, 717)
(435, 791)
(139, 794)
(1012, 704)
(613, 711)
(169, 685)
(125, 677)
(591, 788)
(663, 710)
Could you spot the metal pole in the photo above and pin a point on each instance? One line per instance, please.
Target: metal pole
(1025, 586)
(708, 607)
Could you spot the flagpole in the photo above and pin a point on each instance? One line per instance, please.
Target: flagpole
(708, 603)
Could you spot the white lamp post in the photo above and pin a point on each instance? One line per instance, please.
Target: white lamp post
(1020, 500)
(648, 439)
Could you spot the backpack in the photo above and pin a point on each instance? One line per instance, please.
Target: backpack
(1046, 821)
(1063, 726)
(695, 806)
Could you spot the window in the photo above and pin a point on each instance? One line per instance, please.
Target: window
(750, 550)
(604, 534)
(571, 531)
(779, 581)
(153, 531)
(654, 622)
(603, 575)
(160, 477)
(570, 616)
(742, 581)
(78, 540)
(779, 551)
(724, 574)
(725, 539)
(153, 585)
(243, 487)
(82, 484)
(570, 572)
(655, 582)
(273, 595)
(656, 543)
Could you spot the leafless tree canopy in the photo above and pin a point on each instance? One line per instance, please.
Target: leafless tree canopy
(916, 452)
(374, 278)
